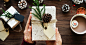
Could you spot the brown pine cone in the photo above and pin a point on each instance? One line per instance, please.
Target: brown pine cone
(46, 18)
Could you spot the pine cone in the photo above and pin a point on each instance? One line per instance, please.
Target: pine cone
(46, 18)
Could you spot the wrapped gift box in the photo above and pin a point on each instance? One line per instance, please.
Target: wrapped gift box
(11, 22)
(37, 29)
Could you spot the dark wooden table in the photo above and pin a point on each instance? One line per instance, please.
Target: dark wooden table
(68, 37)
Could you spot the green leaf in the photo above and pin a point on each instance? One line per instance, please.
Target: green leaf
(42, 24)
(39, 11)
(30, 7)
(36, 12)
(36, 16)
(37, 2)
(2, 15)
(34, 4)
(44, 10)
(33, 0)
(7, 14)
(3, 10)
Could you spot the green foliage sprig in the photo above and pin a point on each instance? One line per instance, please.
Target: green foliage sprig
(7, 14)
(38, 11)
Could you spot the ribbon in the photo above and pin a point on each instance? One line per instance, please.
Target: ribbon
(37, 21)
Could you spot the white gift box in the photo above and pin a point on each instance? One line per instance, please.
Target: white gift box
(37, 29)
(12, 22)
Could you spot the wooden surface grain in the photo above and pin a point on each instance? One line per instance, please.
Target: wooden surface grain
(68, 37)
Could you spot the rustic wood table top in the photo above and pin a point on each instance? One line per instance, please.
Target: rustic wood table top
(68, 36)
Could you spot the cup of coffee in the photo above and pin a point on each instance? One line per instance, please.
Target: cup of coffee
(78, 21)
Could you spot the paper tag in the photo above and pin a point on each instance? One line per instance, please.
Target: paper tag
(4, 35)
(19, 17)
(49, 32)
(1, 26)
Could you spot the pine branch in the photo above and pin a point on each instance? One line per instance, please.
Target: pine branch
(7, 14)
(42, 24)
(44, 10)
(35, 11)
(37, 2)
(34, 4)
(38, 11)
(37, 7)
(36, 16)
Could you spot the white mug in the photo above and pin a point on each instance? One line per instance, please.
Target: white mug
(77, 29)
